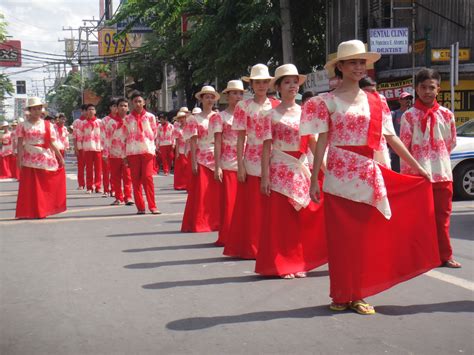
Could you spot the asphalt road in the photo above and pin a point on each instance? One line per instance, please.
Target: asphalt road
(99, 279)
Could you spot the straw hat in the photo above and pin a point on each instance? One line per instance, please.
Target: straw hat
(353, 49)
(234, 85)
(14, 123)
(4, 124)
(34, 101)
(258, 72)
(180, 114)
(196, 110)
(21, 119)
(287, 70)
(207, 89)
(184, 109)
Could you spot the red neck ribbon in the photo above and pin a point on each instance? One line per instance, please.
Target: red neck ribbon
(139, 116)
(428, 113)
(90, 122)
(375, 124)
(119, 121)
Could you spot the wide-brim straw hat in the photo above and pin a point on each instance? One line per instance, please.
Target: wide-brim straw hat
(196, 110)
(207, 90)
(3, 124)
(287, 70)
(234, 85)
(34, 101)
(180, 114)
(258, 72)
(14, 123)
(184, 109)
(353, 49)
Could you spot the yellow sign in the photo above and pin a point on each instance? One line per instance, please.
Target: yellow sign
(443, 54)
(420, 46)
(463, 99)
(110, 46)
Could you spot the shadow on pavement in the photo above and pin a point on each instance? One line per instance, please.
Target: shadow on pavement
(145, 233)
(172, 247)
(173, 221)
(448, 307)
(176, 262)
(197, 323)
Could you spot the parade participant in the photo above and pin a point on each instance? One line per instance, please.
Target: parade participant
(201, 213)
(405, 100)
(293, 239)
(77, 135)
(181, 161)
(368, 84)
(63, 142)
(375, 241)
(92, 149)
(106, 174)
(225, 154)
(13, 165)
(114, 154)
(42, 189)
(246, 225)
(140, 151)
(428, 130)
(6, 151)
(164, 143)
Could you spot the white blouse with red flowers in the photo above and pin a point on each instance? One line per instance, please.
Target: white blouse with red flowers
(35, 156)
(165, 134)
(222, 123)
(247, 118)
(115, 139)
(77, 131)
(433, 155)
(289, 175)
(7, 144)
(198, 125)
(141, 133)
(63, 141)
(350, 175)
(103, 125)
(91, 141)
(178, 136)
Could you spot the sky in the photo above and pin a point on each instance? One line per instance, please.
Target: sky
(38, 25)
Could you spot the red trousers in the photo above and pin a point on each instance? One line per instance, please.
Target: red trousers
(443, 196)
(141, 169)
(181, 172)
(80, 168)
(106, 176)
(120, 172)
(166, 154)
(93, 162)
(14, 168)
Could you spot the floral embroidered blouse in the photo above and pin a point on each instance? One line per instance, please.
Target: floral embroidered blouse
(115, 139)
(433, 156)
(103, 125)
(222, 123)
(349, 174)
(63, 141)
(35, 156)
(198, 125)
(247, 118)
(7, 144)
(178, 137)
(77, 131)
(91, 140)
(141, 133)
(164, 135)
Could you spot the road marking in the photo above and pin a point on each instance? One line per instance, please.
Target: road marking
(468, 285)
(71, 176)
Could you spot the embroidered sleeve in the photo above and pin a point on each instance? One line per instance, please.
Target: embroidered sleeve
(315, 117)
(20, 131)
(191, 128)
(387, 122)
(216, 124)
(453, 132)
(152, 120)
(54, 134)
(267, 125)
(159, 132)
(240, 118)
(406, 129)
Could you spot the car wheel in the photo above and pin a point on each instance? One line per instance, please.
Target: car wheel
(463, 181)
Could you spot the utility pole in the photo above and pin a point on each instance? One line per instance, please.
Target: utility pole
(286, 36)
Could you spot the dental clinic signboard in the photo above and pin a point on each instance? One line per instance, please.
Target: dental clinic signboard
(388, 41)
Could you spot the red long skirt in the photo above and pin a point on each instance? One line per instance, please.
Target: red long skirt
(229, 194)
(41, 193)
(368, 253)
(180, 172)
(5, 172)
(201, 213)
(292, 241)
(14, 168)
(247, 220)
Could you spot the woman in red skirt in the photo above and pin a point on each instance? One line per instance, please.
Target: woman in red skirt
(181, 161)
(293, 240)
(375, 240)
(201, 213)
(246, 225)
(225, 153)
(42, 190)
(6, 151)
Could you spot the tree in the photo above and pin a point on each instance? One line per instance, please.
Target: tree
(6, 86)
(66, 97)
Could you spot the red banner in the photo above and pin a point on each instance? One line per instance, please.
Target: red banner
(10, 54)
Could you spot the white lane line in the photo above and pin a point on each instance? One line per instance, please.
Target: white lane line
(71, 176)
(468, 285)
(8, 180)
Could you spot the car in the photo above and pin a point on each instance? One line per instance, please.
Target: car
(462, 162)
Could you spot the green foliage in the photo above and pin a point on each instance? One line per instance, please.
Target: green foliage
(6, 86)
(67, 96)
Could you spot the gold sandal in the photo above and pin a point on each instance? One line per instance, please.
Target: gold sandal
(338, 307)
(361, 307)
